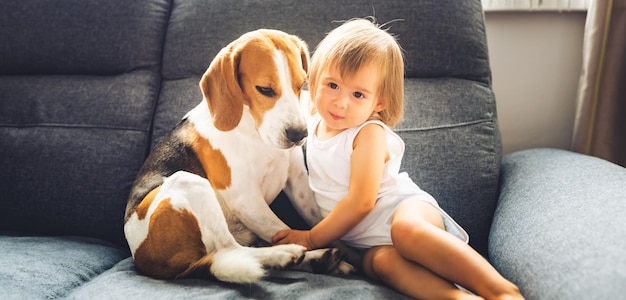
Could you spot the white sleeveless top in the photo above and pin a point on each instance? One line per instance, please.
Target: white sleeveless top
(329, 175)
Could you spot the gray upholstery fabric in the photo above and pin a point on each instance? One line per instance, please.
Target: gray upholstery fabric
(69, 154)
(558, 230)
(89, 37)
(446, 41)
(278, 285)
(78, 87)
(453, 149)
(35, 267)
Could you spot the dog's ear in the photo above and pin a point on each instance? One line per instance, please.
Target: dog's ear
(221, 89)
(304, 54)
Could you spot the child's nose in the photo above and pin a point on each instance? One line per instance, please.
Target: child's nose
(341, 101)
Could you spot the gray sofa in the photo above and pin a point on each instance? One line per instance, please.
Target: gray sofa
(87, 88)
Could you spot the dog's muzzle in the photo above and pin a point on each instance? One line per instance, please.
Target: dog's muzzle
(296, 136)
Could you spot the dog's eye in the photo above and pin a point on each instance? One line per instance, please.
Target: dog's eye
(266, 91)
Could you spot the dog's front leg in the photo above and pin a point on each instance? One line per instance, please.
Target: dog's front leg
(252, 210)
(298, 190)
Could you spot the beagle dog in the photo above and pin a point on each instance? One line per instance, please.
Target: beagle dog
(202, 197)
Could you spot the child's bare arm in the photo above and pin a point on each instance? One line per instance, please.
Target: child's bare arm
(367, 164)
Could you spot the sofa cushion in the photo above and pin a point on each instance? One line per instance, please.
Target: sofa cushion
(122, 282)
(78, 84)
(50, 267)
(199, 29)
(90, 37)
(558, 229)
(453, 149)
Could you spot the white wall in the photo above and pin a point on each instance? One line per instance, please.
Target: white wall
(535, 61)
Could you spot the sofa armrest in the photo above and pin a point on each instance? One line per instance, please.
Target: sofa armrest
(558, 230)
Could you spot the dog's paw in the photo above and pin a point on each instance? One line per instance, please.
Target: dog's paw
(330, 262)
(281, 256)
(324, 261)
(344, 268)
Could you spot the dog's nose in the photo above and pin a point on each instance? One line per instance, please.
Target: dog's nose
(295, 135)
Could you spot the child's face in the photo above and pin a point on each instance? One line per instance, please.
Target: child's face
(347, 102)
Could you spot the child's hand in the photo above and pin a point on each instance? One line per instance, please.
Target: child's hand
(300, 237)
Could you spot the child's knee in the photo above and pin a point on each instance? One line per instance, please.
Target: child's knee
(379, 262)
(403, 231)
(417, 220)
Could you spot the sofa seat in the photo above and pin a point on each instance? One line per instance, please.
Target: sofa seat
(47, 267)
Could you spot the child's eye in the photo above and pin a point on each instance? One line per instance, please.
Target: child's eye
(358, 95)
(333, 86)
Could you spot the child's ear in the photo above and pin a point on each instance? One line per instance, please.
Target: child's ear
(380, 106)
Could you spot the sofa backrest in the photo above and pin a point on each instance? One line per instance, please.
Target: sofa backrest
(80, 85)
(450, 127)
(78, 88)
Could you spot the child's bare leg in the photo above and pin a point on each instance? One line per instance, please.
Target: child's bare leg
(385, 263)
(418, 236)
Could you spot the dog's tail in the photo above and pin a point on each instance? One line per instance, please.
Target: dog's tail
(229, 265)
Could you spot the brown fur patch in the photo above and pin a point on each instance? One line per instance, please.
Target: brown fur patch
(299, 63)
(174, 242)
(257, 68)
(213, 162)
(221, 90)
(248, 62)
(144, 206)
(200, 268)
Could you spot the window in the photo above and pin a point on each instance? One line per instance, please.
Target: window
(535, 5)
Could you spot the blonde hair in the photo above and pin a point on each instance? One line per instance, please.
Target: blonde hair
(352, 45)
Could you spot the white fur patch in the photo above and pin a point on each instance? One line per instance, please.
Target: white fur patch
(286, 113)
(236, 265)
